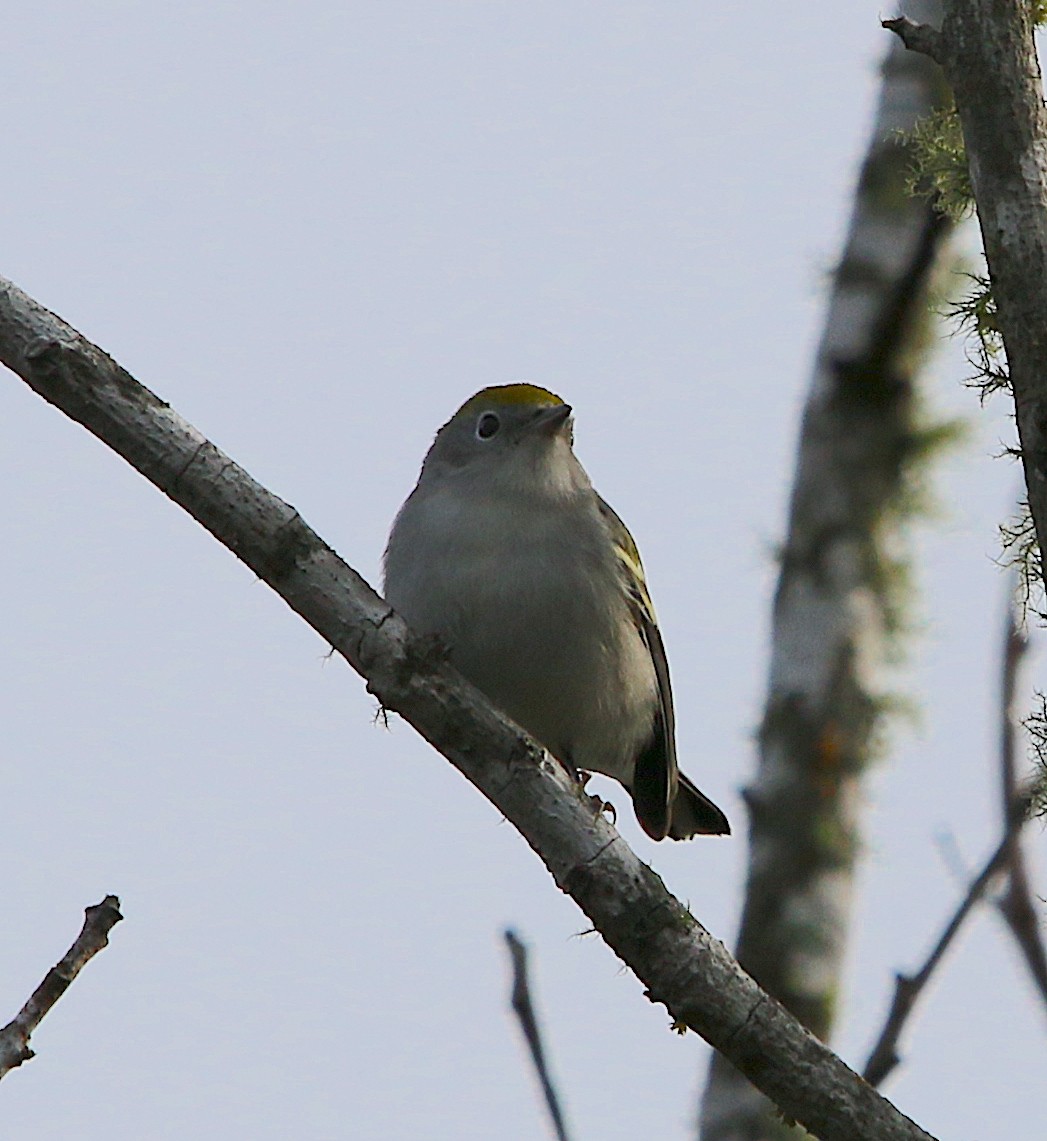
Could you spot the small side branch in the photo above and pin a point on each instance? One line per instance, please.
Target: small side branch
(1023, 918)
(1016, 904)
(524, 1008)
(99, 920)
(920, 38)
(907, 988)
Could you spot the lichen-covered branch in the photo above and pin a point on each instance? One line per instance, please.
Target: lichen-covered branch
(988, 55)
(99, 920)
(836, 606)
(682, 966)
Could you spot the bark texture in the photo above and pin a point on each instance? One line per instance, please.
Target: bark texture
(679, 962)
(834, 608)
(99, 920)
(988, 53)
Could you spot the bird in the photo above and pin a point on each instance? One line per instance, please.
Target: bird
(505, 553)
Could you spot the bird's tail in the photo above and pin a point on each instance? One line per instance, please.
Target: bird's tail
(694, 814)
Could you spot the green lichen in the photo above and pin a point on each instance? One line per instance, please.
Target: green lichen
(974, 316)
(1021, 550)
(938, 168)
(1036, 727)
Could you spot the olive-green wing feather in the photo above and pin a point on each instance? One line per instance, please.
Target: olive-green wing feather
(666, 802)
(655, 775)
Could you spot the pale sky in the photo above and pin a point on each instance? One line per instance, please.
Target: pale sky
(315, 229)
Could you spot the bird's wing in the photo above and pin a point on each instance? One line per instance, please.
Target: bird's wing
(655, 777)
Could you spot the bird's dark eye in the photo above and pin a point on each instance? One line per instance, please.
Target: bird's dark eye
(487, 426)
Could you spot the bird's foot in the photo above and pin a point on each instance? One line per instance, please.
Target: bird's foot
(604, 808)
(599, 805)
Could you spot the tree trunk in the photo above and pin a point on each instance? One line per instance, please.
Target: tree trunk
(836, 602)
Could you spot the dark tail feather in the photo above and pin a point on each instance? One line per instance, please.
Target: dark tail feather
(654, 781)
(694, 814)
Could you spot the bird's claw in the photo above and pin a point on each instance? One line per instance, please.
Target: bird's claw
(604, 808)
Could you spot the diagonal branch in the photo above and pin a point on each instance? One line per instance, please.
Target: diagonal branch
(1016, 905)
(907, 988)
(528, 1019)
(99, 920)
(680, 963)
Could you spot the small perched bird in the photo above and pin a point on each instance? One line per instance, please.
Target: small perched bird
(506, 552)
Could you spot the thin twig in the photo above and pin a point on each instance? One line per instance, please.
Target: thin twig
(1022, 917)
(99, 920)
(524, 1008)
(1016, 904)
(884, 1056)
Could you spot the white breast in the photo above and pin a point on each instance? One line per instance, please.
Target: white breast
(531, 605)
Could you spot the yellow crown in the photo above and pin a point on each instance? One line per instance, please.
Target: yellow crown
(508, 394)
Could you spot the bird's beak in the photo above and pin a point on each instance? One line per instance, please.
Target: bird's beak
(551, 420)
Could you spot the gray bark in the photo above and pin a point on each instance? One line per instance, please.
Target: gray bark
(833, 608)
(680, 963)
(988, 55)
(99, 920)
(990, 61)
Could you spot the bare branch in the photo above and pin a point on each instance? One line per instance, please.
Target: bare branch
(1016, 905)
(524, 1008)
(907, 988)
(920, 38)
(1024, 918)
(681, 964)
(99, 920)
